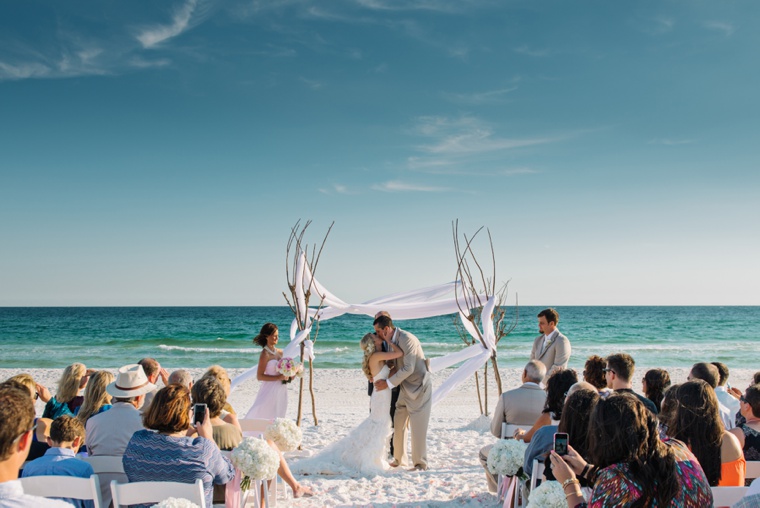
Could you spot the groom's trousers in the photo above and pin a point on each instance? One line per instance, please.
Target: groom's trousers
(417, 413)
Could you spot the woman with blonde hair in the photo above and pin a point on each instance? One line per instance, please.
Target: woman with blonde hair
(96, 399)
(365, 448)
(220, 374)
(67, 398)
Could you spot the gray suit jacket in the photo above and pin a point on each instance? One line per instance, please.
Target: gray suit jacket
(556, 354)
(412, 374)
(521, 406)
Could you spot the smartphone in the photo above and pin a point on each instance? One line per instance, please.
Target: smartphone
(199, 413)
(560, 443)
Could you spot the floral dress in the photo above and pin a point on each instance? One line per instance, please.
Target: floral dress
(614, 486)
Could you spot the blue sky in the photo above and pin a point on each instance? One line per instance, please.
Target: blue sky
(157, 153)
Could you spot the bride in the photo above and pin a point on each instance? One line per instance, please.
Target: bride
(365, 448)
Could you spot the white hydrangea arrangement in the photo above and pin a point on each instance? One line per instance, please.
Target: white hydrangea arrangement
(547, 495)
(256, 460)
(506, 458)
(285, 434)
(175, 502)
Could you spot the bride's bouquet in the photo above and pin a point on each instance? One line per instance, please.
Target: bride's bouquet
(506, 458)
(285, 434)
(289, 367)
(547, 495)
(175, 502)
(256, 460)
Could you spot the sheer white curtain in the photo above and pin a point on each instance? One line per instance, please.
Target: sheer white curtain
(421, 303)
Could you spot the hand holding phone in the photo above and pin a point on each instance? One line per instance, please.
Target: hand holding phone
(560, 443)
(199, 414)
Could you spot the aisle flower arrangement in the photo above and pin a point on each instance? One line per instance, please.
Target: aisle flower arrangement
(285, 434)
(256, 460)
(547, 495)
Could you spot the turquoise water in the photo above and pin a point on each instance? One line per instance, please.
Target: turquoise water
(53, 337)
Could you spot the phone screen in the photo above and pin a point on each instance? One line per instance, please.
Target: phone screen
(560, 443)
(199, 413)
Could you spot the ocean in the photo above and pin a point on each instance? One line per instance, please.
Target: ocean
(107, 337)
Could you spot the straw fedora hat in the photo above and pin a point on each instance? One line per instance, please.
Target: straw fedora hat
(131, 381)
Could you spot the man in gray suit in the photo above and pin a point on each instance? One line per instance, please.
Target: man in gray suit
(551, 347)
(415, 399)
(521, 406)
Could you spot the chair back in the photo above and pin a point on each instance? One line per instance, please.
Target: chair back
(727, 496)
(254, 426)
(125, 494)
(105, 463)
(64, 486)
(753, 469)
(536, 474)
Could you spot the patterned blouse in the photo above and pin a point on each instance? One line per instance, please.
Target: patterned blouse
(614, 486)
(151, 456)
(751, 442)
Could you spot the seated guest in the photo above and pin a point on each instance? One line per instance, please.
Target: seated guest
(654, 384)
(96, 398)
(164, 452)
(25, 382)
(153, 370)
(721, 390)
(227, 435)
(108, 433)
(631, 467)
(580, 401)
(66, 436)
(16, 429)
(556, 391)
(593, 373)
(181, 377)
(748, 432)
(667, 410)
(67, 398)
(708, 373)
(521, 406)
(619, 375)
(697, 423)
(737, 394)
(220, 374)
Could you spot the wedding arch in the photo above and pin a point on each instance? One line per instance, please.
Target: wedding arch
(456, 297)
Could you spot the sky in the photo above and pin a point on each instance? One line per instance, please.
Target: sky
(159, 153)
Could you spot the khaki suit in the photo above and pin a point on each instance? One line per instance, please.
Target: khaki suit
(414, 400)
(555, 355)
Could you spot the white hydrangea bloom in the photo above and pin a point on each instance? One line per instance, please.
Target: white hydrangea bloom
(285, 434)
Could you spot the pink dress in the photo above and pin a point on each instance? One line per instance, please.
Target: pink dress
(272, 400)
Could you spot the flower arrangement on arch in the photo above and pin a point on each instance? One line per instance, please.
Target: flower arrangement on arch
(285, 434)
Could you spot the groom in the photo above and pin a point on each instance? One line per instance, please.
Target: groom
(414, 401)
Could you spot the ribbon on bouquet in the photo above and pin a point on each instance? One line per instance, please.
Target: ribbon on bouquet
(508, 486)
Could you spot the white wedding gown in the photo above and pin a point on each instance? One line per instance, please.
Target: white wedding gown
(364, 450)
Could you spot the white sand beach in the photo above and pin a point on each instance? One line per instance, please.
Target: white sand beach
(457, 432)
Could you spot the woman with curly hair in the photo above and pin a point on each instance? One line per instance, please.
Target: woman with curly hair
(556, 390)
(697, 423)
(654, 384)
(630, 466)
(593, 373)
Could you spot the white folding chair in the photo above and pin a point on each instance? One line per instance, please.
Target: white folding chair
(64, 486)
(727, 496)
(536, 474)
(125, 494)
(508, 430)
(105, 463)
(255, 427)
(753, 469)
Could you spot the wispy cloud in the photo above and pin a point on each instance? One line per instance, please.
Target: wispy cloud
(399, 186)
(466, 135)
(275, 51)
(454, 168)
(142, 63)
(487, 97)
(72, 58)
(379, 69)
(528, 51)
(725, 27)
(663, 24)
(671, 142)
(153, 35)
(311, 83)
(336, 188)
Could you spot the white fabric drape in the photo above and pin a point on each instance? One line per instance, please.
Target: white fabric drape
(421, 303)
